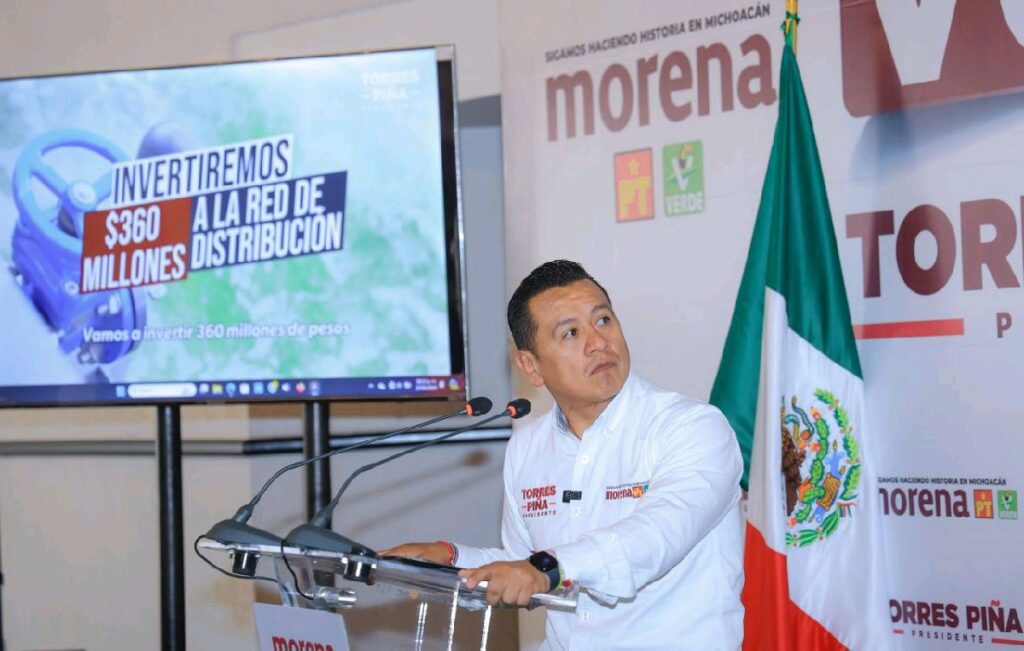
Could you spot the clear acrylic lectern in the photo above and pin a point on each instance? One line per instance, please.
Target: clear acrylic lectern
(371, 585)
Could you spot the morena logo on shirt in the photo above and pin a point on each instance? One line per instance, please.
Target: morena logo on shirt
(634, 491)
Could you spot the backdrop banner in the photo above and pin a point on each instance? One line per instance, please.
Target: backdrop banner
(636, 142)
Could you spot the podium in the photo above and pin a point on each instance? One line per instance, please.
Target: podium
(362, 582)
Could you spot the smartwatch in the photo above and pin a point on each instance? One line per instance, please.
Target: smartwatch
(548, 566)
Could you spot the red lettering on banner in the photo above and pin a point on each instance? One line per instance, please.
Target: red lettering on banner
(994, 618)
(619, 89)
(926, 502)
(924, 613)
(933, 221)
(993, 255)
(991, 618)
(903, 54)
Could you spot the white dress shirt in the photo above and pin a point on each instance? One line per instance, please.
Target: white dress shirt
(654, 542)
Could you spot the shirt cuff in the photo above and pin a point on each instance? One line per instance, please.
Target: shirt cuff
(591, 566)
(473, 557)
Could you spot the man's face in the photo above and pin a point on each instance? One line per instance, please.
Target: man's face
(579, 351)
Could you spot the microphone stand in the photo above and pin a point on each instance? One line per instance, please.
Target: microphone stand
(316, 533)
(236, 530)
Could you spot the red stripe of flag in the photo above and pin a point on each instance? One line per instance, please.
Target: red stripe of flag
(772, 621)
(902, 329)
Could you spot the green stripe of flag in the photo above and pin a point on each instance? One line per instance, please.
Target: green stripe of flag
(793, 251)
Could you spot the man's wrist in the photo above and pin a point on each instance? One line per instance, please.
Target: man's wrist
(453, 551)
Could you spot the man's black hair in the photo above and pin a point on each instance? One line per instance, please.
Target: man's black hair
(557, 273)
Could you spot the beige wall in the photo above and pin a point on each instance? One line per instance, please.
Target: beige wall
(80, 552)
(79, 534)
(55, 36)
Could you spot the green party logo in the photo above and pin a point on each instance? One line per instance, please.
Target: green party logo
(683, 169)
(1006, 503)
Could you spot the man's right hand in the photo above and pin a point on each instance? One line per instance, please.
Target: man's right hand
(434, 552)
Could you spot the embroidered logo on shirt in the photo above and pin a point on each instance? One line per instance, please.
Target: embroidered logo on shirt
(538, 501)
(633, 490)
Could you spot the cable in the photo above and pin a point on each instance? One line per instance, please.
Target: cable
(295, 578)
(281, 586)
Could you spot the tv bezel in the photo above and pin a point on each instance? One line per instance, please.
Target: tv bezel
(454, 251)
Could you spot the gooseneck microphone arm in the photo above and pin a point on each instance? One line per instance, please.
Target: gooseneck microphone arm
(236, 530)
(475, 407)
(315, 534)
(515, 409)
(323, 516)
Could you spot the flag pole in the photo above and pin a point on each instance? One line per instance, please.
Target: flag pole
(792, 20)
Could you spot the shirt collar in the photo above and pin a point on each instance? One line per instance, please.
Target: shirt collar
(609, 419)
(561, 423)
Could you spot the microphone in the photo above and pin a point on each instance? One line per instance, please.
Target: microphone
(315, 534)
(518, 408)
(234, 530)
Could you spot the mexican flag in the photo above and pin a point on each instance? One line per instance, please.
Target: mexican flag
(791, 385)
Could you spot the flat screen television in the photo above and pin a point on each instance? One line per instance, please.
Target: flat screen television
(255, 231)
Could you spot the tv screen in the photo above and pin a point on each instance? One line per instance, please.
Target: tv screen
(266, 230)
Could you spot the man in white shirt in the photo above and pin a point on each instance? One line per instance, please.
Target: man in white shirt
(630, 491)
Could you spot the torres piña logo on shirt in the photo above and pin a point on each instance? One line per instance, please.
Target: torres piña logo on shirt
(538, 501)
(904, 54)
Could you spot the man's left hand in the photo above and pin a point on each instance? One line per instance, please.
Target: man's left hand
(511, 583)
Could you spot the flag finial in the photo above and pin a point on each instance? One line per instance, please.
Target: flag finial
(792, 20)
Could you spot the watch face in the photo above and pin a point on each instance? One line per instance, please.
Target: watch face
(544, 561)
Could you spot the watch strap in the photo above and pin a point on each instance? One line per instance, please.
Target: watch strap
(553, 571)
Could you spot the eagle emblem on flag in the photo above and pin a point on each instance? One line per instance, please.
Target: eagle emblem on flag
(821, 467)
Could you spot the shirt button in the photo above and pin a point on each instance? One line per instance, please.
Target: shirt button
(585, 615)
(576, 512)
(584, 459)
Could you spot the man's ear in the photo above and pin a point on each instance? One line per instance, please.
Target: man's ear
(527, 363)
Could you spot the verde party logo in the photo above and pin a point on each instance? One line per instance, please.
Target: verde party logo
(1006, 503)
(683, 172)
(820, 465)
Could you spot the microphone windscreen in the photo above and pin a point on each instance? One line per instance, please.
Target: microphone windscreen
(518, 408)
(478, 406)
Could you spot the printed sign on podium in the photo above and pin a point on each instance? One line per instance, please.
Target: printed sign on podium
(281, 628)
